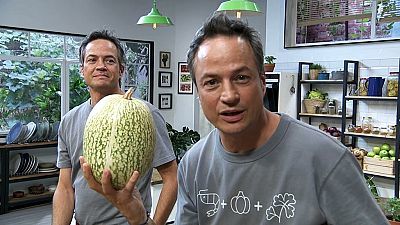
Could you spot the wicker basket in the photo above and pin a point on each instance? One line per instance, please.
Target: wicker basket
(312, 105)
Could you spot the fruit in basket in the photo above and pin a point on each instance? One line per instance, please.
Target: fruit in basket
(383, 153)
(392, 152)
(376, 150)
(385, 158)
(371, 154)
(385, 146)
(377, 157)
(119, 135)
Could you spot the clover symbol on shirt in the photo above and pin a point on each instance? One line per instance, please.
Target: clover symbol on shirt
(283, 203)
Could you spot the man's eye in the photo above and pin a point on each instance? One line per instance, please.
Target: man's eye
(90, 60)
(110, 61)
(242, 78)
(210, 83)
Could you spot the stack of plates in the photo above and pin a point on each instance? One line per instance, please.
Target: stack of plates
(32, 132)
(3, 136)
(47, 167)
(23, 164)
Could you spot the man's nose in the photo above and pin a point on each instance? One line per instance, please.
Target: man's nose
(229, 94)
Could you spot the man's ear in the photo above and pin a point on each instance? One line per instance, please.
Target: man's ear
(81, 70)
(121, 70)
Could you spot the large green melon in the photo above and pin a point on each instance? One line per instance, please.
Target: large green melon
(119, 135)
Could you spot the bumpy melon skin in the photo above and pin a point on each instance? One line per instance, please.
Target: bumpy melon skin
(119, 135)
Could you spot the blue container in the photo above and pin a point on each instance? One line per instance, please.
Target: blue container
(323, 76)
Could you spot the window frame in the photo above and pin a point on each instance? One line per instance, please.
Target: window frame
(290, 24)
(66, 62)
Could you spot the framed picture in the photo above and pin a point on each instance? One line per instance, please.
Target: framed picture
(165, 60)
(164, 79)
(165, 101)
(185, 84)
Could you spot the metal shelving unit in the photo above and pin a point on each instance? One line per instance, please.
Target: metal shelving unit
(9, 203)
(355, 100)
(302, 82)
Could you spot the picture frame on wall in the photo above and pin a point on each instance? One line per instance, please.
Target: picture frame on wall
(185, 83)
(164, 79)
(165, 101)
(165, 60)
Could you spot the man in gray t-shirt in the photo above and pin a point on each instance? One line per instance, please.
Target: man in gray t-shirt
(102, 61)
(258, 167)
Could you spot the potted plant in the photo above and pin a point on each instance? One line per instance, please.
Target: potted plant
(269, 63)
(392, 207)
(389, 206)
(182, 140)
(315, 68)
(314, 100)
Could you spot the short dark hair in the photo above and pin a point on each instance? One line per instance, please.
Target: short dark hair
(221, 24)
(106, 35)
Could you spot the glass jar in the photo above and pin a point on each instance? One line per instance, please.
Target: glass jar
(383, 131)
(392, 84)
(358, 129)
(367, 124)
(351, 128)
(392, 131)
(375, 130)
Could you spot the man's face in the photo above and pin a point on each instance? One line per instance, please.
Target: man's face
(229, 85)
(101, 68)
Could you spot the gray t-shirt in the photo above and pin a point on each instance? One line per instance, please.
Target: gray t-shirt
(299, 176)
(91, 207)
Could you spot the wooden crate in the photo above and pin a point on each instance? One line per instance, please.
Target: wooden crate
(378, 165)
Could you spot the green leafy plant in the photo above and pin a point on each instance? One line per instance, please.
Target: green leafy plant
(182, 140)
(269, 59)
(316, 94)
(316, 66)
(392, 206)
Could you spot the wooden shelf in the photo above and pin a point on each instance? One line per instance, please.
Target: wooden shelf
(324, 82)
(323, 115)
(33, 177)
(29, 145)
(369, 135)
(30, 197)
(379, 174)
(371, 98)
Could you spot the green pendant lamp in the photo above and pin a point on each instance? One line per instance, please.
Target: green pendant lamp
(154, 18)
(239, 7)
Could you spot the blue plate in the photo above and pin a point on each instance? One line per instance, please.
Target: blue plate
(15, 131)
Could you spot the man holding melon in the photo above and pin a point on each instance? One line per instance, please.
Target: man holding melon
(117, 134)
(256, 167)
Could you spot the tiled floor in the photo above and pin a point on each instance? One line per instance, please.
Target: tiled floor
(39, 215)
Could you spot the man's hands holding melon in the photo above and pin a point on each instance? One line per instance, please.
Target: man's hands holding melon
(127, 200)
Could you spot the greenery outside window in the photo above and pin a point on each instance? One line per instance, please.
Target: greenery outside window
(315, 22)
(40, 74)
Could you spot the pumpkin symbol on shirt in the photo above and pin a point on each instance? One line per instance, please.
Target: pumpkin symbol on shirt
(240, 204)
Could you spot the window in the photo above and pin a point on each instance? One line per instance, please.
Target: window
(34, 64)
(329, 21)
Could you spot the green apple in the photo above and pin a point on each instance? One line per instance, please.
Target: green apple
(392, 152)
(392, 158)
(383, 153)
(377, 157)
(385, 158)
(371, 154)
(376, 150)
(385, 146)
